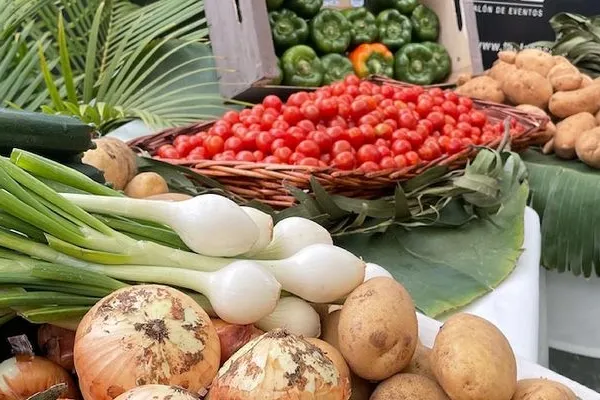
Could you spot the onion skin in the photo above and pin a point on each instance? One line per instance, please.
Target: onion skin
(57, 345)
(22, 378)
(145, 334)
(279, 366)
(232, 337)
(157, 392)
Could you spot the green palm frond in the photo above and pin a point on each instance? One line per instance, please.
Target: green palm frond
(15, 12)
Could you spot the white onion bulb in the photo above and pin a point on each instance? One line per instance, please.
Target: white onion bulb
(373, 271)
(145, 334)
(279, 366)
(157, 392)
(294, 315)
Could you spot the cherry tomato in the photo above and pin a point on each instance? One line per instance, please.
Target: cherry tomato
(401, 161)
(368, 152)
(369, 166)
(181, 139)
(424, 106)
(306, 125)
(338, 88)
(245, 155)
(436, 119)
(267, 121)
(401, 146)
(384, 151)
(368, 133)
(464, 126)
(258, 110)
(295, 158)
(412, 158)
(359, 108)
(352, 80)
(310, 111)
(264, 140)
(232, 117)
(323, 140)
(369, 119)
(328, 108)
(272, 101)
(462, 109)
(283, 153)
(465, 101)
(450, 109)
(199, 153)
(183, 148)
(272, 160)
(213, 145)
(383, 131)
(251, 120)
(454, 146)
(451, 96)
(225, 156)
(167, 151)
(457, 133)
(478, 118)
(309, 148)
(249, 140)
(352, 90)
(280, 124)
(387, 91)
(340, 146)
(487, 137)
(196, 140)
(326, 158)
(400, 134)
(407, 120)
(233, 143)
(344, 160)
(298, 98)
(258, 155)
(291, 114)
(387, 163)
(339, 122)
(309, 161)
(415, 139)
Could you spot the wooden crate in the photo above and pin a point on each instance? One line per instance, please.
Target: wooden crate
(241, 41)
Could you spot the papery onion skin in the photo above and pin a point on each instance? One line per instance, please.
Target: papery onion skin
(21, 379)
(57, 345)
(157, 392)
(279, 366)
(232, 337)
(146, 334)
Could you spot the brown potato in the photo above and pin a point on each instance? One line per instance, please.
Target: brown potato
(482, 87)
(550, 130)
(501, 70)
(507, 56)
(542, 389)
(561, 60)
(408, 387)
(472, 359)
(565, 77)
(463, 78)
(146, 184)
(567, 132)
(527, 87)
(598, 117)
(587, 147)
(565, 104)
(114, 158)
(535, 60)
(586, 81)
(378, 329)
(420, 364)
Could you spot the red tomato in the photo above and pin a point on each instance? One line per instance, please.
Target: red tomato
(344, 160)
(245, 155)
(437, 119)
(213, 145)
(310, 111)
(199, 153)
(478, 118)
(291, 114)
(183, 148)
(281, 124)
(352, 80)
(283, 153)
(384, 151)
(232, 117)
(306, 125)
(407, 120)
(258, 110)
(338, 88)
(384, 131)
(181, 139)
(462, 109)
(368, 133)
(424, 106)
(310, 161)
(382, 142)
(298, 98)
(267, 121)
(465, 127)
(343, 110)
(400, 134)
(272, 101)
(368, 152)
(387, 91)
(249, 140)
(328, 108)
(387, 163)
(426, 153)
(309, 148)
(358, 108)
(225, 156)
(168, 151)
(415, 139)
(239, 130)
(338, 122)
(196, 140)
(369, 119)
(451, 96)
(326, 158)
(258, 155)
(457, 133)
(369, 166)
(335, 133)
(454, 146)
(487, 138)
(401, 146)
(272, 160)
(295, 158)
(401, 161)
(233, 143)
(464, 117)
(264, 140)
(323, 140)
(465, 101)
(412, 158)
(352, 90)
(450, 109)
(340, 146)
(251, 120)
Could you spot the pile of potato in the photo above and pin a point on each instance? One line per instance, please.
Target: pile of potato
(537, 82)
(374, 338)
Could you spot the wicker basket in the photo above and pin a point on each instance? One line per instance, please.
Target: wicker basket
(268, 183)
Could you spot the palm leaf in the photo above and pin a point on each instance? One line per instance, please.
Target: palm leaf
(566, 195)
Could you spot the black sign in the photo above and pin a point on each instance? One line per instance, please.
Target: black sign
(521, 21)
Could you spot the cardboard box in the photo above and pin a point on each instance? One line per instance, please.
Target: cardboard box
(241, 41)
(503, 22)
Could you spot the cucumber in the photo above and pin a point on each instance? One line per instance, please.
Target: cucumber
(53, 136)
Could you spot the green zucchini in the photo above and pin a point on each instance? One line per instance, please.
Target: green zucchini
(54, 136)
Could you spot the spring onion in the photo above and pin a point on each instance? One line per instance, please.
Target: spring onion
(295, 316)
(291, 235)
(264, 222)
(208, 224)
(374, 271)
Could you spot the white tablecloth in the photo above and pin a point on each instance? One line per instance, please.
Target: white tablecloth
(514, 307)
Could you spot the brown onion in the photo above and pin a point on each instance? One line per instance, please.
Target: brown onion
(157, 392)
(24, 375)
(145, 334)
(57, 345)
(232, 337)
(279, 366)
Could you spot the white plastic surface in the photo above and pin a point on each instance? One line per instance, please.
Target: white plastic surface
(514, 307)
(428, 329)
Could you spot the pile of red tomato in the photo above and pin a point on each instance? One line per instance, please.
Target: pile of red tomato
(346, 125)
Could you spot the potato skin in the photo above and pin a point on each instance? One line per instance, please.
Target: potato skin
(527, 87)
(567, 132)
(378, 329)
(565, 77)
(587, 147)
(146, 184)
(598, 117)
(420, 364)
(535, 60)
(542, 389)
(565, 104)
(484, 88)
(507, 56)
(472, 360)
(586, 81)
(408, 387)
(501, 70)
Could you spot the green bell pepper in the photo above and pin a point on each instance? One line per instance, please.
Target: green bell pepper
(364, 25)
(415, 63)
(304, 8)
(273, 5)
(395, 29)
(426, 24)
(331, 31)
(404, 6)
(287, 29)
(302, 67)
(279, 78)
(336, 68)
(442, 60)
